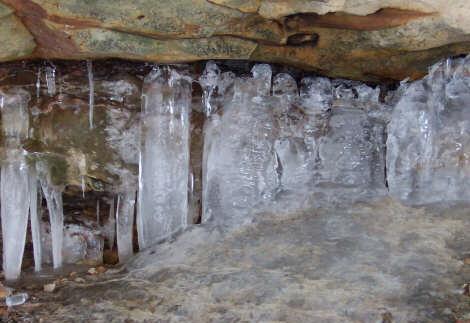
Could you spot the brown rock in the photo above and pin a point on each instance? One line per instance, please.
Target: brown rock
(373, 40)
(110, 257)
(4, 291)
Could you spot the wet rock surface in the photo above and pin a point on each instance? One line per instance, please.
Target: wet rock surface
(363, 264)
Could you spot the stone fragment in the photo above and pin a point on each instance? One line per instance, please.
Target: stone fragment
(4, 291)
(49, 288)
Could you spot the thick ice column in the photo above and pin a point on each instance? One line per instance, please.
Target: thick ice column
(240, 162)
(429, 137)
(351, 162)
(316, 97)
(217, 93)
(125, 223)
(164, 156)
(291, 151)
(15, 176)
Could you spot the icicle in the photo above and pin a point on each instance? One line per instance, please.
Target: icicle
(164, 156)
(91, 86)
(35, 221)
(262, 75)
(209, 81)
(38, 83)
(14, 187)
(83, 186)
(50, 80)
(56, 217)
(191, 183)
(53, 195)
(125, 224)
(98, 212)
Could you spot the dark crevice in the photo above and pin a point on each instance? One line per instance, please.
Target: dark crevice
(310, 40)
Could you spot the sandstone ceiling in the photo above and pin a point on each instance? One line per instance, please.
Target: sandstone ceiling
(368, 40)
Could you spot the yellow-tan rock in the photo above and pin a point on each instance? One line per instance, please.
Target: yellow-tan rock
(373, 40)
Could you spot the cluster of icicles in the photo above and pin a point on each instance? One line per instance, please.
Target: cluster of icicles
(268, 145)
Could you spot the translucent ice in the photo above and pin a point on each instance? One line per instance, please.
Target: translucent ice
(291, 152)
(351, 153)
(15, 180)
(125, 223)
(262, 75)
(209, 80)
(81, 243)
(91, 89)
(35, 220)
(266, 151)
(221, 96)
(164, 156)
(16, 299)
(50, 80)
(428, 159)
(240, 163)
(53, 195)
(38, 83)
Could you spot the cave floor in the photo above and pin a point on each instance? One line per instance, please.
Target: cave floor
(377, 262)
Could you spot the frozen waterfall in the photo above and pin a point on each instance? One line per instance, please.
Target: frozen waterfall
(266, 142)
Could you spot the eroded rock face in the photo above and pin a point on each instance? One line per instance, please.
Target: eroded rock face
(375, 40)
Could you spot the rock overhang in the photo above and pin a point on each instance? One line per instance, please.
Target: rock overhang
(378, 41)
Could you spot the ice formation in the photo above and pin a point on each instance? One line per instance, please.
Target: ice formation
(322, 145)
(53, 196)
(352, 152)
(91, 94)
(35, 220)
(269, 144)
(125, 223)
(51, 80)
(81, 243)
(38, 83)
(16, 299)
(428, 155)
(164, 156)
(240, 162)
(15, 180)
